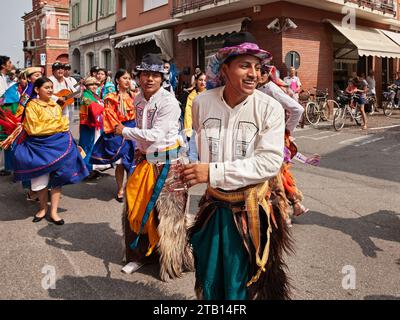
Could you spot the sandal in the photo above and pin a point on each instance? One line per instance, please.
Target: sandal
(119, 198)
(299, 209)
(132, 267)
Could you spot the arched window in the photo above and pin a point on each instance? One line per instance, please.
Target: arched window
(106, 59)
(292, 59)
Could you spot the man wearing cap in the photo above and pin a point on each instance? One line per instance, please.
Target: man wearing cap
(238, 238)
(67, 74)
(93, 71)
(60, 83)
(155, 207)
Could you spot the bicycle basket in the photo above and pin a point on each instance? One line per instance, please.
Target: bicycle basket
(320, 93)
(304, 96)
(342, 100)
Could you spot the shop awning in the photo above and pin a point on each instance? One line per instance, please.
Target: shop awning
(392, 35)
(209, 30)
(369, 41)
(163, 39)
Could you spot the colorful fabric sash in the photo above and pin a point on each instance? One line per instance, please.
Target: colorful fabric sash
(142, 192)
(252, 197)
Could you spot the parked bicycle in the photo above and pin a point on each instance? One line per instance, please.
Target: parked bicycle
(389, 100)
(348, 109)
(319, 108)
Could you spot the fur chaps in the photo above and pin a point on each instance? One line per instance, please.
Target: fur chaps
(175, 254)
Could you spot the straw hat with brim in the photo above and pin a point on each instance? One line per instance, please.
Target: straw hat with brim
(91, 80)
(152, 62)
(31, 70)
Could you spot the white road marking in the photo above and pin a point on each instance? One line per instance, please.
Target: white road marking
(389, 148)
(311, 137)
(368, 141)
(350, 141)
(387, 127)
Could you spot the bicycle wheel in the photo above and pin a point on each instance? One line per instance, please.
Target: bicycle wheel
(339, 118)
(357, 116)
(329, 108)
(387, 108)
(312, 113)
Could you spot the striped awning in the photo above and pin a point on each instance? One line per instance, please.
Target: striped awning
(214, 29)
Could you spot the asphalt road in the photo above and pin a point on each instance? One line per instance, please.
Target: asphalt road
(347, 245)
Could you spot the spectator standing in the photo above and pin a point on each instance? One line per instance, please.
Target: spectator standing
(293, 83)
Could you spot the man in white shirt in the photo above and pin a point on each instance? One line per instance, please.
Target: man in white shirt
(272, 86)
(241, 142)
(61, 83)
(157, 140)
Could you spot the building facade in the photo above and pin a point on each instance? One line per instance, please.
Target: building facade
(92, 24)
(46, 33)
(324, 40)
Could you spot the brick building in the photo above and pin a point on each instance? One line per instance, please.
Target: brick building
(46, 33)
(325, 40)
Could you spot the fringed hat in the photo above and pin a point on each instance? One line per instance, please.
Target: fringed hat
(152, 62)
(236, 44)
(91, 80)
(241, 43)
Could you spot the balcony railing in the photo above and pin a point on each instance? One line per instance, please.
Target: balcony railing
(181, 6)
(384, 6)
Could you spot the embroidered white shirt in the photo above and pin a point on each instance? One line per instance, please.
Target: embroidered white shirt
(244, 145)
(157, 122)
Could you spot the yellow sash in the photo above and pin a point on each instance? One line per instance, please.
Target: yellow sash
(139, 189)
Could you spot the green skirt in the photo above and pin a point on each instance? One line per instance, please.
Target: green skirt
(221, 260)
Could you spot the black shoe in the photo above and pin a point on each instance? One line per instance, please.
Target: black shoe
(37, 219)
(4, 173)
(119, 199)
(58, 222)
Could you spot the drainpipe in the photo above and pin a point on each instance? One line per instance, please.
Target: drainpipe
(97, 14)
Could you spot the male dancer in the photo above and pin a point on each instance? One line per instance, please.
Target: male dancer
(238, 238)
(155, 207)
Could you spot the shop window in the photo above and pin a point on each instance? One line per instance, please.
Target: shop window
(292, 59)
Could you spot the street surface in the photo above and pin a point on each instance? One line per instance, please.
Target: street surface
(353, 227)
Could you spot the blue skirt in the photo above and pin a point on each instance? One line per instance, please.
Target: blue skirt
(56, 155)
(110, 147)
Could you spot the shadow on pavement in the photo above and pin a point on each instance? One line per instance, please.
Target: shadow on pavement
(383, 225)
(381, 297)
(378, 159)
(105, 288)
(95, 239)
(103, 189)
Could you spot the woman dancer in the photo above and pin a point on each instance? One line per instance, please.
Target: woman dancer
(111, 148)
(47, 154)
